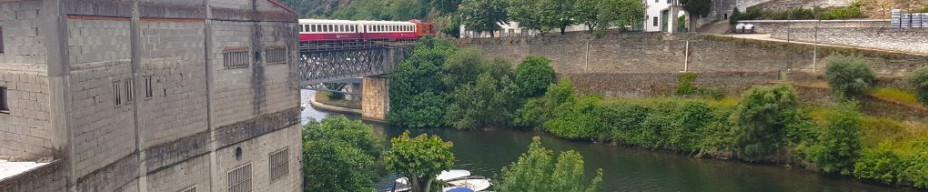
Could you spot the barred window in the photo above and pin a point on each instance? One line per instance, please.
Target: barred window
(1, 40)
(130, 88)
(191, 189)
(240, 179)
(116, 93)
(276, 55)
(279, 164)
(148, 89)
(235, 59)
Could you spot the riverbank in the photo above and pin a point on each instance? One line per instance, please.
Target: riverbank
(321, 101)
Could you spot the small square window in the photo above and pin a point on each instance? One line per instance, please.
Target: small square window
(276, 55)
(235, 59)
(655, 21)
(4, 103)
(279, 164)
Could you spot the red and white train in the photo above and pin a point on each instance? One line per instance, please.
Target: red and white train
(315, 30)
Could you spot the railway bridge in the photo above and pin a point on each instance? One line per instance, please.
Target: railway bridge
(351, 61)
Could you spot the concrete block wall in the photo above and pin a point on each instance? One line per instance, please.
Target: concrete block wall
(25, 132)
(99, 57)
(172, 56)
(232, 92)
(192, 173)
(256, 152)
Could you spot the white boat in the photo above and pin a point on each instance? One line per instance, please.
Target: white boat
(454, 178)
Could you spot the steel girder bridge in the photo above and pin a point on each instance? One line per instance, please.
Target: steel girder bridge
(346, 62)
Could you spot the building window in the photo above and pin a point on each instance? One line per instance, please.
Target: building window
(655, 21)
(130, 88)
(116, 93)
(4, 105)
(276, 55)
(235, 59)
(148, 89)
(191, 189)
(240, 179)
(279, 164)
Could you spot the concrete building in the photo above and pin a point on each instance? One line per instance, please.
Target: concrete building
(661, 15)
(149, 95)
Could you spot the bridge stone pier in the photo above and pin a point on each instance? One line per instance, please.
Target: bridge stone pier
(335, 62)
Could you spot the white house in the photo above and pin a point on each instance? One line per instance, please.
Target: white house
(661, 15)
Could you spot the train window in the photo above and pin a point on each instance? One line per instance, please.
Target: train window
(341, 28)
(312, 28)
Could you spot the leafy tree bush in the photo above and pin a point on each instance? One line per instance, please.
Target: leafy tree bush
(420, 159)
(483, 15)
(849, 75)
(340, 155)
(534, 75)
(685, 83)
(490, 101)
(536, 170)
(761, 120)
(916, 170)
(878, 164)
(536, 112)
(462, 67)
(574, 119)
(918, 79)
(838, 146)
(416, 92)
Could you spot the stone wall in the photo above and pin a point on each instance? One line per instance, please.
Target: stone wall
(781, 26)
(642, 64)
(25, 130)
(376, 98)
(906, 40)
(48, 177)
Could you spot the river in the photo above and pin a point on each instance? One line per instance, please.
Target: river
(624, 168)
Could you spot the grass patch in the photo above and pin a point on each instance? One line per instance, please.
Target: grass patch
(897, 96)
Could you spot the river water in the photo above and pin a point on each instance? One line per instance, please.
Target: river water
(624, 168)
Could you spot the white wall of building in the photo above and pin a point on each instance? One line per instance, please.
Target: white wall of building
(653, 12)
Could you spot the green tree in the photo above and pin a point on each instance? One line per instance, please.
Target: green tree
(838, 146)
(536, 170)
(879, 164)
(528, 13)
(340, 155)
(558, 14)
(918, 79)
(849, 75)
(462, 68)
(420, 159)
(483, 15)
(534, 75)
(761, 120)
(417, 97)
(696, 9)
(488, 101)
(535, 112)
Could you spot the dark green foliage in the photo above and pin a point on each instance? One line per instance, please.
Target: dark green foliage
(697, 8)
(536, 112)
(489, 101)
(537, 170)
(417, 97)
(420, 159)
(916, 170)
(685, 83)
(534, 76)
(483, 15)
(340, 155)
(749, 14)
(879, 164)
(761, 120)
(918, 79)
(462, 68)
(685, 87)
(849, 76)
(838, 147)
(574, 120)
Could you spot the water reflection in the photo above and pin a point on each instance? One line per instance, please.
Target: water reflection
(626, 169)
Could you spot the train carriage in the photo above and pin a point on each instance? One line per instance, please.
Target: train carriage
(315, 30)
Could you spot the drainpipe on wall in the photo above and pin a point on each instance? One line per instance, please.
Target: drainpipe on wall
(686, 57)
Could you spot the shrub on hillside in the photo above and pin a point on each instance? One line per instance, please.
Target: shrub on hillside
(918, 79)
(490, 101)
(534, 75)
(535, 112)
(575, 120)
(916, 170)
(685, 87)
(849, 75)
(761, 120)
(879, 164)
(838, 146)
